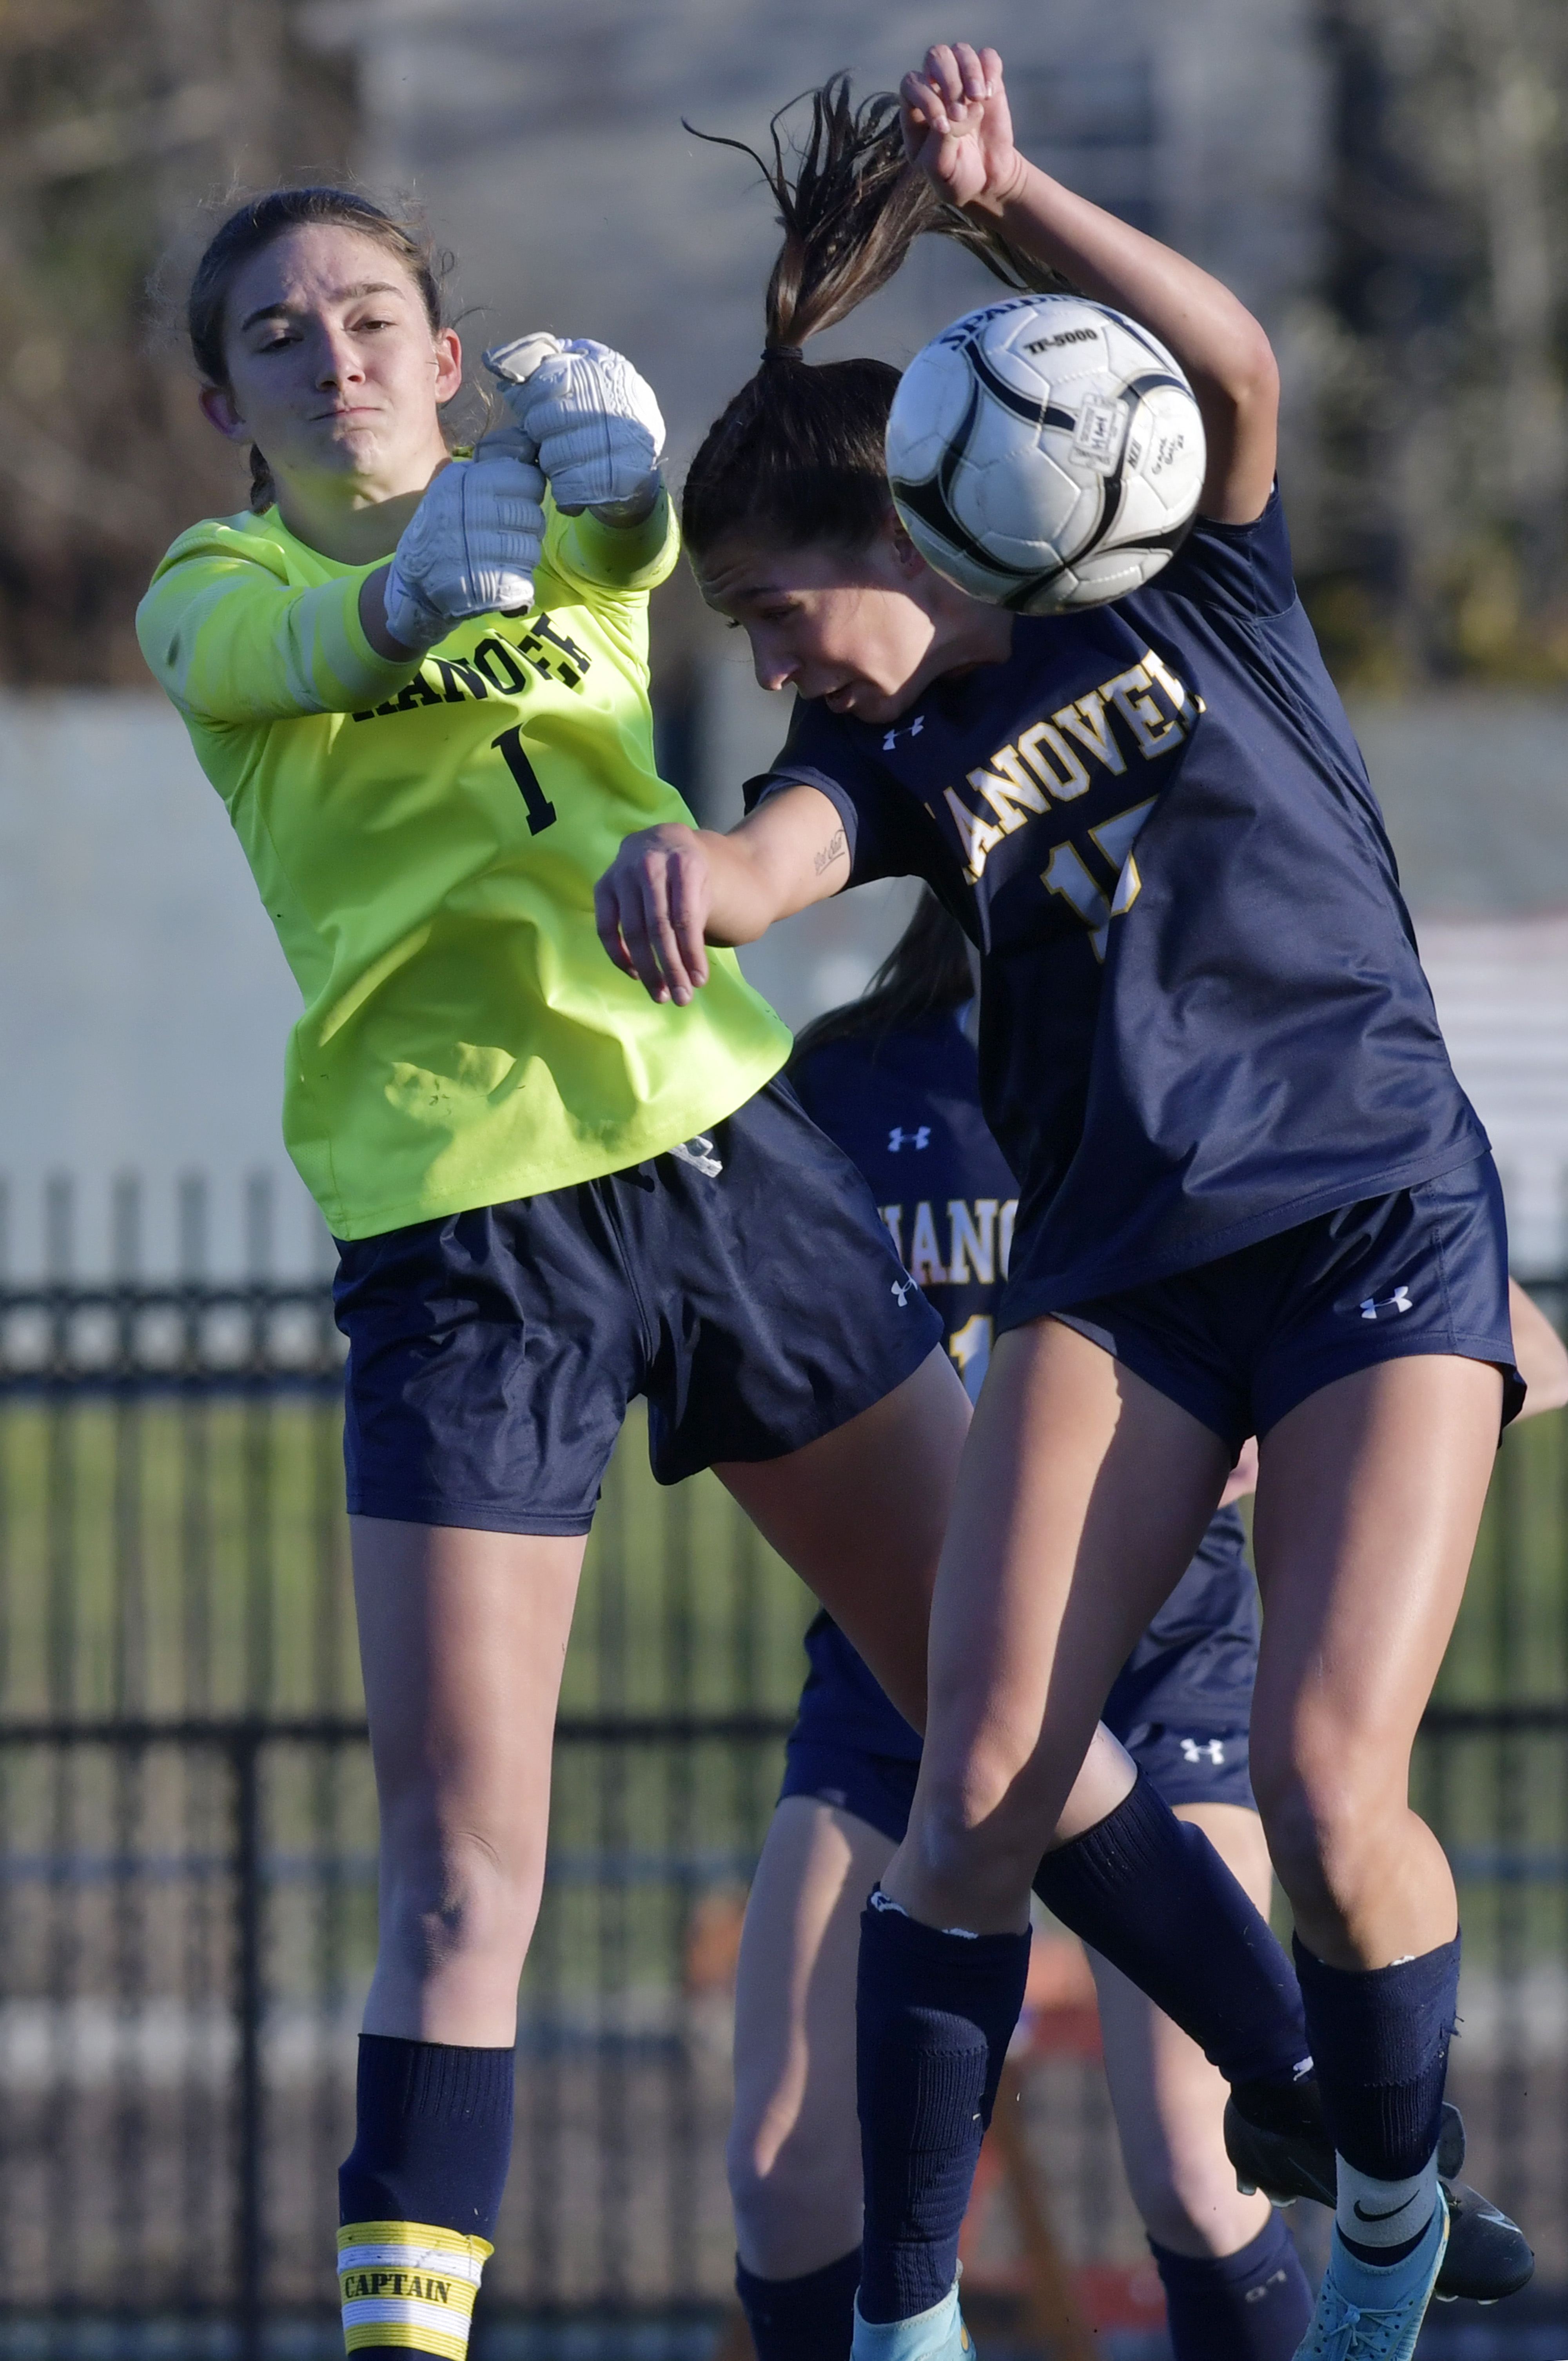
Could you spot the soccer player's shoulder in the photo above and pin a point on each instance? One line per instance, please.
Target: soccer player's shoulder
(245, 537)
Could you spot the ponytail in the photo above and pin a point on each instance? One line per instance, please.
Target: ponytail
(927, 973)
(797, 455)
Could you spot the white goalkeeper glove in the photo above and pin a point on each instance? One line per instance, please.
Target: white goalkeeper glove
(471, 546)
(597, 423)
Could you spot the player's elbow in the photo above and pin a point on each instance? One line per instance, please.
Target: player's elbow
(1248, 375)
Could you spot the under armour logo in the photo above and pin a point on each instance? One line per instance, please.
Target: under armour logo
(1195, 1750)
(901, 1288)
(898, 1138)
(1399, 1301)
(915, 727)
(698, 1152)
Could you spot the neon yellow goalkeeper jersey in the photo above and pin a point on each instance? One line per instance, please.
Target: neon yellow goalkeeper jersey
(427, 849)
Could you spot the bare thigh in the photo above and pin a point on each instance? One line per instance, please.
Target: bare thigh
(795, 2143)
(462, 1635)
(1082, 1495)
(1170, 2101)
(1369, 1494)
(861, 1514)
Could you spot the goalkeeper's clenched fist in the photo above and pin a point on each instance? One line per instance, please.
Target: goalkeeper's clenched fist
(592, 424)
(595, 422)
(471, 546)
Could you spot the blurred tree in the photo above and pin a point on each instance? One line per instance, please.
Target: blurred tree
(120, 120)
(1440, 545)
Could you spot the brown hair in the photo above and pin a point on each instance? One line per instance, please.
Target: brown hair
(925, 973)
(797, 455)
(250, 230)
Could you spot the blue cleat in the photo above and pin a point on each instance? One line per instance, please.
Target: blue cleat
(1364, 2313)
(939, 2334)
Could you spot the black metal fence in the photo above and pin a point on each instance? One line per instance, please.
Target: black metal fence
(187, 1850)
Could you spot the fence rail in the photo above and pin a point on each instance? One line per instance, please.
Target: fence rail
(187, 1850)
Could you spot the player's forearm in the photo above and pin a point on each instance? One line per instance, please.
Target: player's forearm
(755, 883)
(1219, 344)
(373, 620)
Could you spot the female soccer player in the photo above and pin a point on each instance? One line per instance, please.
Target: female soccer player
(422, 695)
(894, 1078)
(1253, 1197)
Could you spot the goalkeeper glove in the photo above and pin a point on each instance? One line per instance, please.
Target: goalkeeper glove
(596, 423)
(471, 546)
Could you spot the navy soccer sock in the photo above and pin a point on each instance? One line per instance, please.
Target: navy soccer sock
(1251, 2306)
(418, 2193)
(807, 2319)
(1381, 2037)
(936, 2012)
(1150, 1892)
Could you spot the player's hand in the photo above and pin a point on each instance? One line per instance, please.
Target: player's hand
(471, 546)
(597, 423)
(1243, 1477)
(651, 907)
(956, 126)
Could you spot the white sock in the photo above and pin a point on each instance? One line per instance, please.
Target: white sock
(1384, 2213)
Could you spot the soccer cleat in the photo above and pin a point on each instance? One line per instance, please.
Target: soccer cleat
(1487, 2255)
(1277, 2141)
(1366, 2313)
(939, 2334)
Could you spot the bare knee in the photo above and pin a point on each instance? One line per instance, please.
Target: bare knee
(1325, 1810)
(452, 1896)
(980, 1823)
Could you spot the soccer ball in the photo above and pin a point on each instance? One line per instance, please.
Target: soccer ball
(1045, 453)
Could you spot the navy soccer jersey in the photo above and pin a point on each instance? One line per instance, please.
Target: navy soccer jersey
(1204, 1018)
(904, 1107)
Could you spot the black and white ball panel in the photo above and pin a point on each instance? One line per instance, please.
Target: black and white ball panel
(1045, 453)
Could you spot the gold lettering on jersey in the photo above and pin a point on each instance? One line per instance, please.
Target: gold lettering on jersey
(1088, 721)
(1044, 768)
(1175, 687)
(1068, 873)
(1062, 772)
(1008, 789)
(980, 1237)
(1152, 731)
(976, 835)
(924, 1262)
(1067, 876)
(972, 1234)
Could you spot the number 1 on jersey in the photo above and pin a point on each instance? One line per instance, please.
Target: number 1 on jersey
(535, 803)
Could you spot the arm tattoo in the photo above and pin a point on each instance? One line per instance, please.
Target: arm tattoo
(831, 852)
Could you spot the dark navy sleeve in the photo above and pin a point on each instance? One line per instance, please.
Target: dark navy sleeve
(814, 756)
(1243, 568)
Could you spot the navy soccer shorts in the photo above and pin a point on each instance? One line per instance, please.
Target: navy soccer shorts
(1179, 1706)
(1240, 1341)
(743, 1283)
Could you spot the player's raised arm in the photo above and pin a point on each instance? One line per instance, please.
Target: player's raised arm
(671, 890)
(956, 128)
